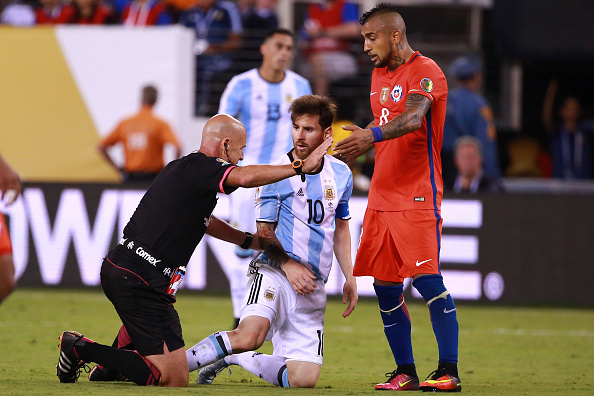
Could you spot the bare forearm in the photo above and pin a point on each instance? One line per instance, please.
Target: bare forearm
(342, 247)
(106, 156)
(221, 230)
(258, 175)
(271, 245)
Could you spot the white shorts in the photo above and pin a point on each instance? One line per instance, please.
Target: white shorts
(296, 321)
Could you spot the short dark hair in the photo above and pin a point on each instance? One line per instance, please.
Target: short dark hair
(149, 95)
(272, 32)
(322, 106)
(381, 8)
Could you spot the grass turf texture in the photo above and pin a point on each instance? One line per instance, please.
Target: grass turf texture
(503, 350)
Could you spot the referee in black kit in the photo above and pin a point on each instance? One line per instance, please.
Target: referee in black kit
(141, 274)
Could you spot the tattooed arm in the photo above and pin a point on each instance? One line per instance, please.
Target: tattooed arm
(300, 278)
(361, 141)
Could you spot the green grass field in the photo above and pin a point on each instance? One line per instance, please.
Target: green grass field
(503, 350)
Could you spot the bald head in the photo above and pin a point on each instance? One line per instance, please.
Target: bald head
(223, 135)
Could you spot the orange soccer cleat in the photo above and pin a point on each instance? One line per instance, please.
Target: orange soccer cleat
(441, 381)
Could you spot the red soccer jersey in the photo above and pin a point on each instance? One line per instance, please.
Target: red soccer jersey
(407, 173)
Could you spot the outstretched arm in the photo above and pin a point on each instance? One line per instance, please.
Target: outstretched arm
(259, 175)
(300, 278)
(342, 250)
(362, 140)
(547, 106)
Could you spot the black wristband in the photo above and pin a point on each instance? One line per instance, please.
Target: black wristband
(249, 238)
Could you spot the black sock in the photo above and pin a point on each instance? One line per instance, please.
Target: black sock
(409, 369)
(131, 364)
(451, 368)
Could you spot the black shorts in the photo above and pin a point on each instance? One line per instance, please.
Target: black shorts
(137, 291)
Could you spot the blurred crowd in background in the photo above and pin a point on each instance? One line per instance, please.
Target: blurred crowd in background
(477, 152)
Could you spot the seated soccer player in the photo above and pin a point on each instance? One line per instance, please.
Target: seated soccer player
(300, 221)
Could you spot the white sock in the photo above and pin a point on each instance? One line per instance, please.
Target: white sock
(214, 347)
(272, 369)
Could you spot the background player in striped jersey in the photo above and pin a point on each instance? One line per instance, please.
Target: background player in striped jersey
(401, 234)
(300, 223)
(260, 99)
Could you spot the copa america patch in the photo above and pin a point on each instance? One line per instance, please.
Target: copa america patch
(427, 84)
(270, 294)
(396, 93)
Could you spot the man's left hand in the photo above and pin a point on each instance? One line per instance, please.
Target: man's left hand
(360, 142)
(349, 293)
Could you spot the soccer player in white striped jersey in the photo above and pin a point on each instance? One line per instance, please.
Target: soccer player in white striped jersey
(300, 223)
(260, 99)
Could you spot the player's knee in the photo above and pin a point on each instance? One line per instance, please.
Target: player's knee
(303, 380)
(174, 378)
(247, 339)
(250, 334)
(431, 287)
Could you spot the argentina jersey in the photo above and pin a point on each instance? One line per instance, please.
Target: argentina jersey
(305, 212)
(263, 108)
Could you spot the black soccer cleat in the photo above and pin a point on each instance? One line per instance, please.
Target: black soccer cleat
(69, 365)
(100, 373)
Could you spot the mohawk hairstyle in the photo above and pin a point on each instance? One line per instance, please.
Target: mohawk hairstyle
(380, 8)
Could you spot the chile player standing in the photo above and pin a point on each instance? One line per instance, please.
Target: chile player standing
(402, 227)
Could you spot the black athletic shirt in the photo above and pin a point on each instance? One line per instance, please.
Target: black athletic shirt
(173, 215)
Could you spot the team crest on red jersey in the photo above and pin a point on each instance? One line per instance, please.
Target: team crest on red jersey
(396, 94)
(427, 84)
(384, 94)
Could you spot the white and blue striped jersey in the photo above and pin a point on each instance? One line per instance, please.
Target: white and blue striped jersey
(305, 212)
(263, 108)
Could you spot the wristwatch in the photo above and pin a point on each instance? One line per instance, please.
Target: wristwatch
(298, 166)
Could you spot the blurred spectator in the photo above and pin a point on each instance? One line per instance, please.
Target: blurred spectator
(92, 12)
(144, 137)
(18, 13)
(469, 164)
(257, 21)
(146, 13)
(571, 136)
(216, 39)
(328, 26)
(245, 7)
(470, 114)
(54, 12)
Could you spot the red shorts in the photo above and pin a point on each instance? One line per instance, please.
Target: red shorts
(5, 245)
(399, 245)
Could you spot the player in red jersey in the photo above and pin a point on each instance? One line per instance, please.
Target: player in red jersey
(402, 227)
(10, 189)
